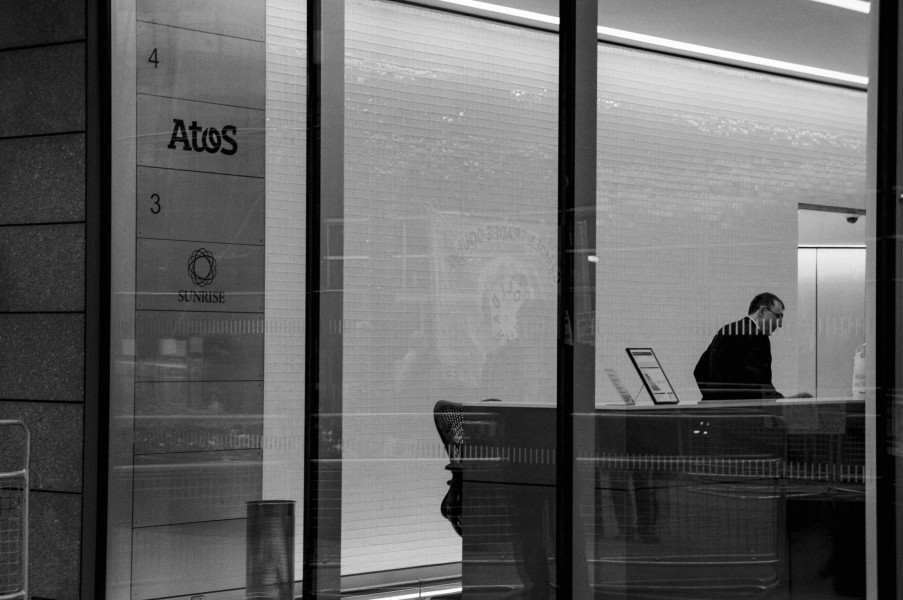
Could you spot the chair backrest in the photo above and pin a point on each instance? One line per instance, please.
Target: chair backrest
(450, 425)
(449, 420)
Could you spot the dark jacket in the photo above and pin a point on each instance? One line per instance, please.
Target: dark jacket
(737, 364)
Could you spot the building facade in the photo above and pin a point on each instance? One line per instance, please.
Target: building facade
(435, 276)
(53, 295)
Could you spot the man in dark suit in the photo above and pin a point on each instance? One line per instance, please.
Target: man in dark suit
(737, 364)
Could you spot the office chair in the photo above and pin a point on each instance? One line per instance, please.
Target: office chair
(450, 425)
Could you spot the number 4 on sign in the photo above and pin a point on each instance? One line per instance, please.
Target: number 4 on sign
(153, 58)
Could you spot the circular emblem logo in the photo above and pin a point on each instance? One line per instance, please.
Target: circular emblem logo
(202, 267)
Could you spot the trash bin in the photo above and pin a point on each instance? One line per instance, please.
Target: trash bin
(271, 550)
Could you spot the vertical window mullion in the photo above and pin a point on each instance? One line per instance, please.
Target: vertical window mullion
(889, 296)
(576, 331)
(324, 301)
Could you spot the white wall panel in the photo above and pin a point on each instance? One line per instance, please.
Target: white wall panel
(195, 486)
(238, 18)
(200, 66)
(807, 317)
(189, 558)
(841, 317)
(175, 205)
(166, 138)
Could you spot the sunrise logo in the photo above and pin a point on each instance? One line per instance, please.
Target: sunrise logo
(202, 267)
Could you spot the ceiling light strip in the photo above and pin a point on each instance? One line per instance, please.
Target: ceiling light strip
(446, 591)
(857, 5)
(733, 57)
(417, 595)
(504, 10)
(649, 41)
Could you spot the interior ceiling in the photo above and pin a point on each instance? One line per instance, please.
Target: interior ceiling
(797, 31)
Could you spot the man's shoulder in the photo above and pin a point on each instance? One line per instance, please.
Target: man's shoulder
(744, 326)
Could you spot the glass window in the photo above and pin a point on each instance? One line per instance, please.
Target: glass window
(450, 260)
(718, 182)
(338, 301)
(444, 258)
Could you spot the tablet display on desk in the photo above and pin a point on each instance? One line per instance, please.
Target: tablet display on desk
(654, 379)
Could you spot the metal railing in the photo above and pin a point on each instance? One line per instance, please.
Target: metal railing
(14, 487)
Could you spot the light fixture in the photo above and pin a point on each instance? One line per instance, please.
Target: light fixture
(504, 10)
(732, 57)
(454, 590)
(649, 41)
(857, 5)
(423, 594)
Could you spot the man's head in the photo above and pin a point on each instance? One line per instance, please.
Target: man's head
(767, 310)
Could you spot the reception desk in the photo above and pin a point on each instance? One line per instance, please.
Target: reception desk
(713, 500)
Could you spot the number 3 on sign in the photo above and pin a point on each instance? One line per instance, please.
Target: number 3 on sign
(153, 58)
(156, 208)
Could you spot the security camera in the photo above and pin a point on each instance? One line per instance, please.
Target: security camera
(852, 220)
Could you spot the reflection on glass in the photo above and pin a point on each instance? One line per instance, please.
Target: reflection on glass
(450, 273)
(707, 178)
(714, 183)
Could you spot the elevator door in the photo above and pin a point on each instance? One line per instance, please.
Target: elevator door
(832, 318)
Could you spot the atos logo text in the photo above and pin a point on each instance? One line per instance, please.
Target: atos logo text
(211, 139)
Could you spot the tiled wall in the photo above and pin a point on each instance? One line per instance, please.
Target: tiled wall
(42, 271)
